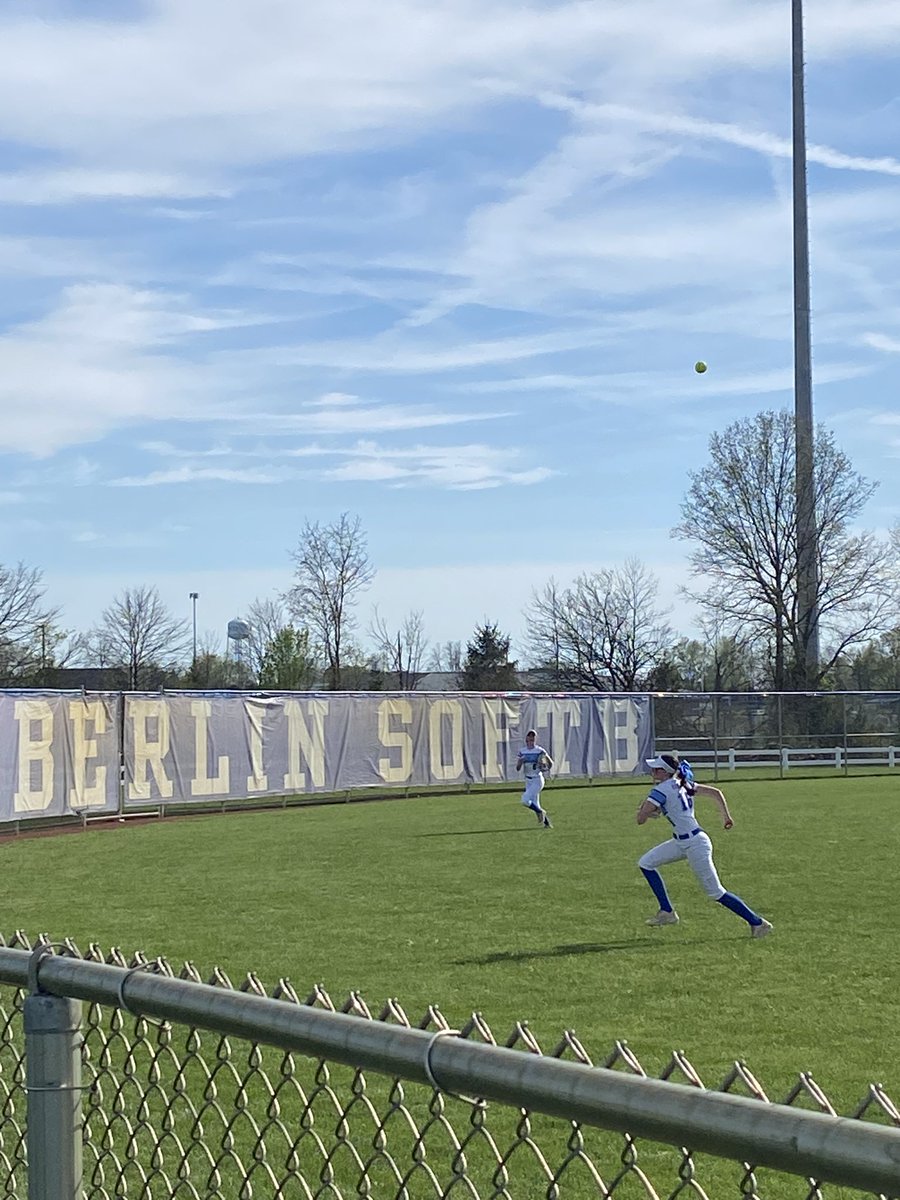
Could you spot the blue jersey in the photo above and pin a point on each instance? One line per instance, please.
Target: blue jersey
(676, 804)
(531, 760)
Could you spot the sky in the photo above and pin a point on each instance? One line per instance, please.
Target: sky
(442, 264)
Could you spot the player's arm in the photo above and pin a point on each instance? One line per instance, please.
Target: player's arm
(647, 811)
(705, 789)
(519, 761)
(548, 761)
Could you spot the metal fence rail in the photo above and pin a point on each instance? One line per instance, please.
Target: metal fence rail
(166, 1087)
(815, 730)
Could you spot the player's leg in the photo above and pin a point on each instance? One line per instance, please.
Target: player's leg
(700, 858)
(531, 797)
(666, 852)
(543, 815)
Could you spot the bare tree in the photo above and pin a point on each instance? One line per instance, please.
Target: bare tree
(267, 620)
(331, 567)
(27, 624)
(400, 651)
(603, 633)
(138, 634)
(446, 656)
(741, 512)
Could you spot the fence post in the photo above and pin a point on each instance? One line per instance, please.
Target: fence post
(53, 1086)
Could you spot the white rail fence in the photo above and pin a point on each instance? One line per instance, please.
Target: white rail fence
(786, 757)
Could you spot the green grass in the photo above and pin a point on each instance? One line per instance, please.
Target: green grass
(463, 902)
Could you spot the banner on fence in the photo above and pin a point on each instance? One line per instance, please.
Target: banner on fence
(60, 754)
(181, 748)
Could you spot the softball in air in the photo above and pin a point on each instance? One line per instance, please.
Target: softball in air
(700, 367)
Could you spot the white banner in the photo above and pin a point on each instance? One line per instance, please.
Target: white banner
(62, 752)
(192, 747)
(60, 755)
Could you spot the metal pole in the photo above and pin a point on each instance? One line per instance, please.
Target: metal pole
(807, 531)
(194, 598)
(53, 1085)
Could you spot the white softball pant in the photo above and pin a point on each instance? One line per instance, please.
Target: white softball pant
(698, 852)
(532, 794)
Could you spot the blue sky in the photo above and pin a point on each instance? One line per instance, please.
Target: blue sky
(445, 265)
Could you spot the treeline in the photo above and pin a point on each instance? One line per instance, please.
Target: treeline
(602, 632)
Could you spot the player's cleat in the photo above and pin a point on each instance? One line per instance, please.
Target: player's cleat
(547, 824)
(761, 929)
(663, 918)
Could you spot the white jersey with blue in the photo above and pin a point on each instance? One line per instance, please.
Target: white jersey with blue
(531, 760)
(676, 804)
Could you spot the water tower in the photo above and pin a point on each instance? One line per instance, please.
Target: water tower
(238, 635)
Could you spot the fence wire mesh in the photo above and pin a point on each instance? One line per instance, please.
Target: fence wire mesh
(177, 1111)
(862, 725)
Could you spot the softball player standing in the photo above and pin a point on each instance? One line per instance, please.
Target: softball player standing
(672, 797)
(534, 761)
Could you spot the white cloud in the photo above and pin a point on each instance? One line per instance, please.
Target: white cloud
(196, 81)
(466, 468)
(418, 355)
(192, 474)
(84, 369)
(880, 341)
(759, 141)
(63, 187)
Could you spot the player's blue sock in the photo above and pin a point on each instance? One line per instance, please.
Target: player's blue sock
(659, 888)
(736, 904)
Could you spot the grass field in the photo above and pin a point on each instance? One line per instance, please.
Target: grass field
(466, 903)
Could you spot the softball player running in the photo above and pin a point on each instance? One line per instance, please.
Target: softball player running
(534, 761)
(672, 797)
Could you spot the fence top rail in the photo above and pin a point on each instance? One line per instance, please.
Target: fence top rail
(832, 1149)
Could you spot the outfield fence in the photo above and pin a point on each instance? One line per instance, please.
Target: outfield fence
(788, 731)
(80, 757)
(118, 1079)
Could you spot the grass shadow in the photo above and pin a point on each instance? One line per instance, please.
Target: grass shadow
(563, 951)
(475, 832)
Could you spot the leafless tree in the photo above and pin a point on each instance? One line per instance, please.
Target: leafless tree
(331, 568)
(446, 656)
(29, 635)
(604, 633)
(267, 620)
(139, 634)
(740, 511)
(400, 651)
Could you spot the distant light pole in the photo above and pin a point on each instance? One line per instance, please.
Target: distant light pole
(195, 596)
(804, 435)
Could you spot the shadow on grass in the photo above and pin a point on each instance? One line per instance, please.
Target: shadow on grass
(473, 832)
(564, 951)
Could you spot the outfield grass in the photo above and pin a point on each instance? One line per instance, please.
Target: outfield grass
(466, 903)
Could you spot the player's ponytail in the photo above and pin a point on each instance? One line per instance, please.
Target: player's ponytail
(685, 775)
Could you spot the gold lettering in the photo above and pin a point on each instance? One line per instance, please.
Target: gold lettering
(551, 714)
(35, 756)
(149, 754)
(311, 741)
(395, 738)
(82, 794)
(203, 784)
(452, 710)
(496, 734)
(258, 781)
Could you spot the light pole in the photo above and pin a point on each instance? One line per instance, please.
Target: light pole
(195, 596)
(804, 436)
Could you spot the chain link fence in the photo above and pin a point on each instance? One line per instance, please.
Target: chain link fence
(786, 731)
(181, 1088)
